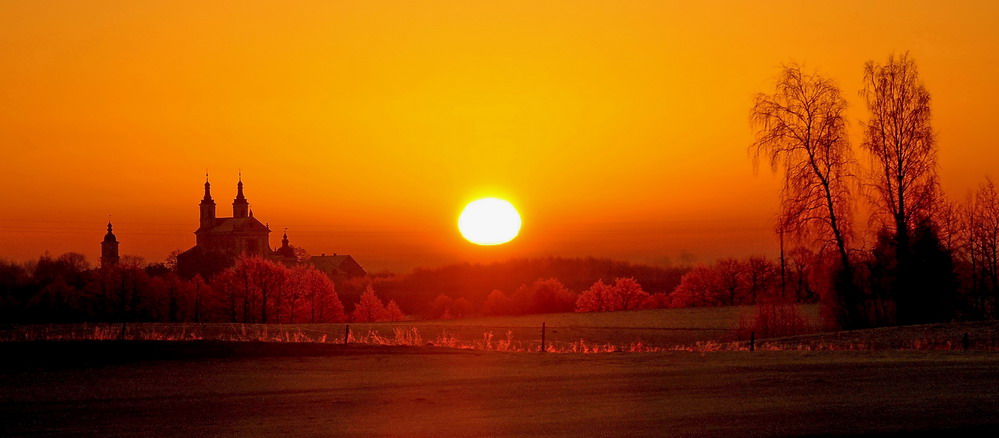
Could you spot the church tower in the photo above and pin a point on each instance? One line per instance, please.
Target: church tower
(109, 249)
(207, 207)
(286, 252)
(240, 206)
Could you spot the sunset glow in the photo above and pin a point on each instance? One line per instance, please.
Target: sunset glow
(622, 127)
(553, 218)
(489, 221)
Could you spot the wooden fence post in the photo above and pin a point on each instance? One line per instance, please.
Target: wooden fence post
(542, 337)
(121, 336)
(752, 341)
(346, 333)
(965, 341)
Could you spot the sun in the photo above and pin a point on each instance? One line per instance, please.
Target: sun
(489, 221)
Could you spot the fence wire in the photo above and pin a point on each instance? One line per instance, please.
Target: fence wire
(570, 338)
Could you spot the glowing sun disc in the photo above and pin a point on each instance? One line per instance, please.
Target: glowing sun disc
(489, 221)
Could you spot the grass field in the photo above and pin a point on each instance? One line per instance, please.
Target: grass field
(357, 390)
(662, 328)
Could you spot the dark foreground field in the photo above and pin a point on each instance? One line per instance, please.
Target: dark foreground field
(217, 389)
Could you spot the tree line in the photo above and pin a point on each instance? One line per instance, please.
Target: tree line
(253, 290)
(555, 284)
(509, 287)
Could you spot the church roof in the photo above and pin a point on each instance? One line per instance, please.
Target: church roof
(285, 251)
(334, 260)
(229, 225)
(337, 264)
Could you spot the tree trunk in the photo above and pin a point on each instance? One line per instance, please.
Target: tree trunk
(783, 267)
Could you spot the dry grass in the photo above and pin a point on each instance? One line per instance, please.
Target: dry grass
(696, 330)
(611, 331)
(981, 336)
(774, 320)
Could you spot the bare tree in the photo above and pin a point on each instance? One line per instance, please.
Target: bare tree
(900, 140)
(949, 223)
(903, 176)
(760, 278)
(801, 131)
(982, 245)
(802, 265)
(728, 273)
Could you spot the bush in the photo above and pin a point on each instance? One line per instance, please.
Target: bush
(625, 294)
(543, 296)
(656, 301)
(773, 321)
(497, 303)
(369, 308)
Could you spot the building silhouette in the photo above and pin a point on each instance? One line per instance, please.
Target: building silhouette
(233, 236)
(221, 240)
(109, 249)
(286, 251)
(338, 267)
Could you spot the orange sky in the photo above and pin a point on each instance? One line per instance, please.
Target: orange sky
(617, 128)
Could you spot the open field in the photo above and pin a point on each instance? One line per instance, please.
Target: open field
(337, 390)
(175, 387)
(662, 328)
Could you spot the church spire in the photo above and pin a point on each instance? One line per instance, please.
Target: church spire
(239, 185)
(207, 207)
(240, 206)
(208, 188)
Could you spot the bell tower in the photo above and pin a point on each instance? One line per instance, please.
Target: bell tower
(207, 207)
(109, 249)
(240, 206)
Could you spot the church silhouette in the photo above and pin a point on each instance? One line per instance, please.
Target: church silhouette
(221, 240)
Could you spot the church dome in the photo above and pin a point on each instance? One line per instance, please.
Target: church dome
(110, 237)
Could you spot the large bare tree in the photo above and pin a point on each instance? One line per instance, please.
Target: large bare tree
(801, 130)
(899, 138)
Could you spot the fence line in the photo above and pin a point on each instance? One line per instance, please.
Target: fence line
(306, 327)
(445, 336)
